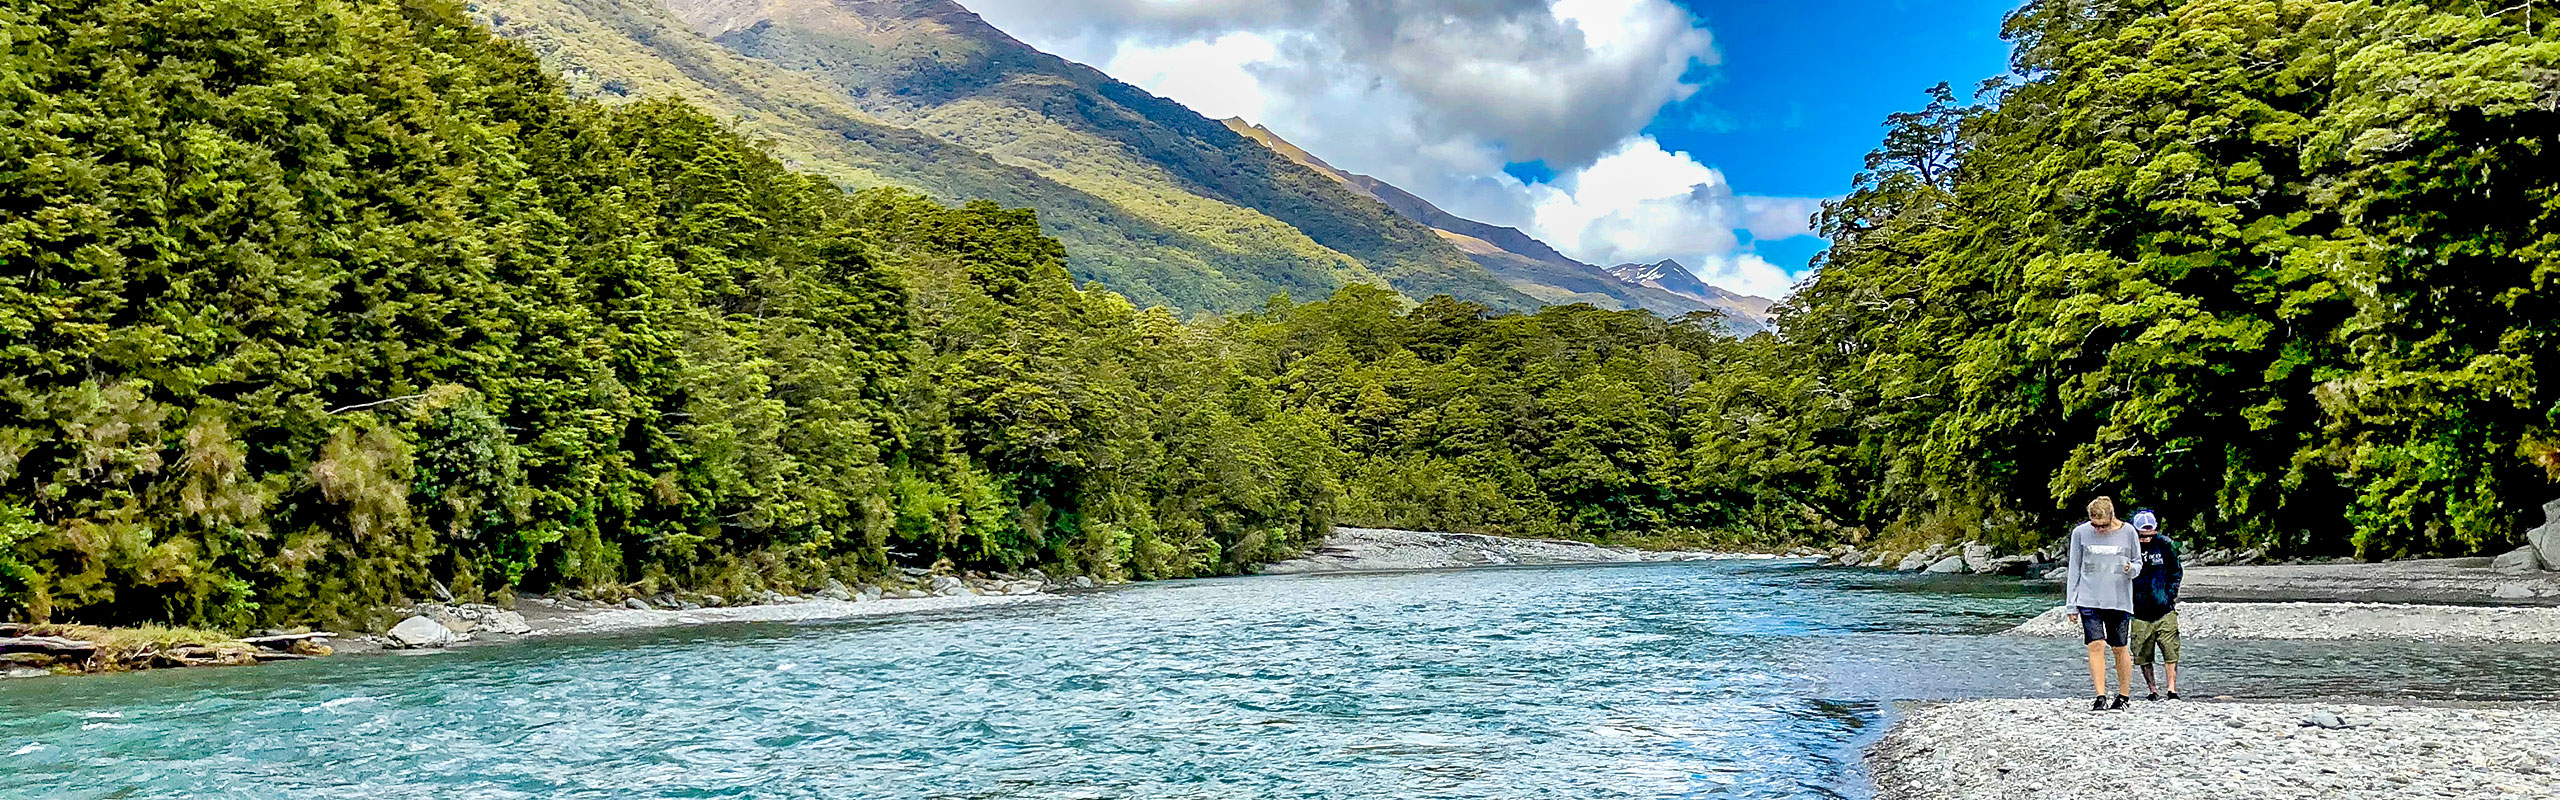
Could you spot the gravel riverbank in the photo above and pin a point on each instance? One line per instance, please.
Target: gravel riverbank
(2334, 621)
(2059, 748)
(551, 622)
(1385, 549)
(2459, 581)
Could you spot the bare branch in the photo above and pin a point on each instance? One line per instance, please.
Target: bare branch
(362, 406)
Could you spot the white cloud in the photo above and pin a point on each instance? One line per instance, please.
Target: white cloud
(1559, 81)
(1436, 96)
(1212, 76)
(1642, 203)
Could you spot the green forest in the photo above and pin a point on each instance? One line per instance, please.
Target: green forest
(309, 307)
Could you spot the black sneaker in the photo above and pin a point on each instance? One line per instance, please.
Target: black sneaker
(2120, 701)
(2155, 697)
(2101, 705)
(2173, 695)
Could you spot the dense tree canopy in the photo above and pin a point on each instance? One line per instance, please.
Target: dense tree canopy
(310, 307)
(2282, 265)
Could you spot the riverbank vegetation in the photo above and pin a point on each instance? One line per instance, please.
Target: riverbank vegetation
(308, 307)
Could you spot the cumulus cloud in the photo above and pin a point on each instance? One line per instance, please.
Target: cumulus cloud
(1546, 80)
(1436, 96)
(1642, 203)
(1215, 74)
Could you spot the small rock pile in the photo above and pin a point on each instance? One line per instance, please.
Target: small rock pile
(446, 624)
(2541, 550)
(1971, 558)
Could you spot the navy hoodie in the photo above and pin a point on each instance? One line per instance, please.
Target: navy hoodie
(2155, 590)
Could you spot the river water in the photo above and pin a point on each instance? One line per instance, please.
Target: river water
(1724, 679)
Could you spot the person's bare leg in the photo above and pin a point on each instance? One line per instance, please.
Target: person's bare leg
(2172, 669)
(2124, 670)
(2098, 666)
(2148, 684)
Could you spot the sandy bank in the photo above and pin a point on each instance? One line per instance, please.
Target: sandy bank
(2330, 621)
(2059, 748)
(1383, 549)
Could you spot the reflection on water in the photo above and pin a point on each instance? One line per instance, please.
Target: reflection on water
(1675, 680)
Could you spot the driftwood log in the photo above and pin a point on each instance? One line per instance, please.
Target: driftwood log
(194, 655)
(285, 641)
(51, 645)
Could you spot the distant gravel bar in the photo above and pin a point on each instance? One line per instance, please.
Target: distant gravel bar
(2330, 621)
(2060, 749)
(1387, 549)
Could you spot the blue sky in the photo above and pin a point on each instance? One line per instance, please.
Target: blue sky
(1804, 86)
(1617, 130)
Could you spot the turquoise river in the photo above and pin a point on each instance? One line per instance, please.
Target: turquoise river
(1719, 679)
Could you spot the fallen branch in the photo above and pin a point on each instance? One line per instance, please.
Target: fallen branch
(363, 406)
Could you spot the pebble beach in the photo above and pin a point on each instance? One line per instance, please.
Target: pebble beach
(2059, 748)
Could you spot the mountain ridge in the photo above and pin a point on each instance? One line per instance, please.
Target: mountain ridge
(936, 67)
(1155, 235)
(1529, 265)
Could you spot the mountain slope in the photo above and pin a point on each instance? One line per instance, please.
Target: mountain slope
(936, 67)
(616, 49)
(1128, 221)
(1529, 265)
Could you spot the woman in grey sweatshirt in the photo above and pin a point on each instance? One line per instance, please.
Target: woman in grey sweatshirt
(2098, 588)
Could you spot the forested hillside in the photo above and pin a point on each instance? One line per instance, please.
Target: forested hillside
(310, 306)
(937, 67)
(310, 303)
(622, 50)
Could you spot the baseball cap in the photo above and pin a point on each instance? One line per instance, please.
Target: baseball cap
(2145, 520)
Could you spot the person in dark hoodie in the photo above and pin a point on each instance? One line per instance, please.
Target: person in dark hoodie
(2155, 603)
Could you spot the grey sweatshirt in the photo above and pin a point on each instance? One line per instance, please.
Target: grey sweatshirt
(2102, 567)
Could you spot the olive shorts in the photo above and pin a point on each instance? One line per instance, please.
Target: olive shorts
(2161, 636)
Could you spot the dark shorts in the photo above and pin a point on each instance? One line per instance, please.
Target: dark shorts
(2106, 625)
